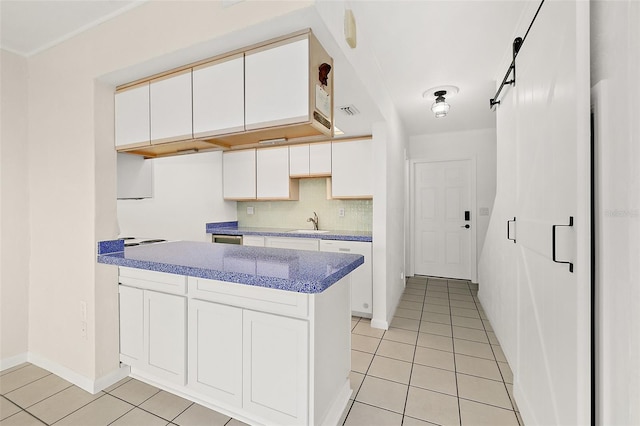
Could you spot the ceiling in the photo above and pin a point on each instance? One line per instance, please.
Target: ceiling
(416, 45)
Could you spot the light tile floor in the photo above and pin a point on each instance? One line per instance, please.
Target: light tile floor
(439, 363)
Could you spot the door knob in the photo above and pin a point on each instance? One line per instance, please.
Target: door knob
(465, 226)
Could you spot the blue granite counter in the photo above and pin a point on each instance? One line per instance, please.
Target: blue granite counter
(292, 270)
(231, 228)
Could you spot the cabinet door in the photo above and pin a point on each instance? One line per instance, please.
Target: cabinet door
(299, 160)
(239, 175)
(277, 84)
(352, 169)
(171, 115)
(215, 350)
(292, 243)
(320, 159)
(361, 277)
(132, 116)
(135, 176)
(253, 240)
(166, 336)
(275, 364)
(272, 174)
(218, 97)
(131, 302)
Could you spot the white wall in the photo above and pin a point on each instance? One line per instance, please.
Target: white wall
(71, 170)
(14, 205)
(479, 144)
(615, 75)
(187, 195)
(389, 141)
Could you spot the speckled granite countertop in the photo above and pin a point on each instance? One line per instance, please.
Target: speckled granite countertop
(231, 228)
(292, 270)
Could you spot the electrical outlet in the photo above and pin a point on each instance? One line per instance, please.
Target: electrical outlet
(250, 210)
(341, 212)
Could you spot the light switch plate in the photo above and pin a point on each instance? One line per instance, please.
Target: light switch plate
(250, 210)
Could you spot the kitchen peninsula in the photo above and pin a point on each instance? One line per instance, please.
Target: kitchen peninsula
(257, 333)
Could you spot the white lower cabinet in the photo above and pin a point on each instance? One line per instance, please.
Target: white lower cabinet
(361, 277)
(249, 359)
(267, 356)
(131, 302)
(253, 240)
(292, 243)
(215, 350)
(275, 364)
(153, 335)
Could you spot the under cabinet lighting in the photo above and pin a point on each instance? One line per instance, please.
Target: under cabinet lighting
(272, 141)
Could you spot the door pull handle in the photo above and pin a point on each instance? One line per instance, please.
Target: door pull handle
(465, 226)
(553, 244)
(508, 222)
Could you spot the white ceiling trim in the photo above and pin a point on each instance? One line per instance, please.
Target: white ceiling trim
(77, 31)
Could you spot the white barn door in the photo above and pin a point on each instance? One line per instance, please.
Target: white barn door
(552, 379)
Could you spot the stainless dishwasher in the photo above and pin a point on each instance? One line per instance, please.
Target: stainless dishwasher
(227, 239)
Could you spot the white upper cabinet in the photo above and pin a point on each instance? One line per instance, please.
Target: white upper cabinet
(310, 160)
(171, 115)
(277, 84)
(352, 169)
(239, 174)
(299, 160)
(272, 174)
(320, 159)
(132, 116)
(218, 97)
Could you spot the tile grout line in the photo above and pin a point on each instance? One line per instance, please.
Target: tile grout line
(413, 359)
(124, 414)
(23, 410)
(26, 384)
(415, 349)
(79, 408)
(455, 364)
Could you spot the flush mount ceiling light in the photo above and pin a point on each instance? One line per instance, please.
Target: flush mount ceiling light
(440, 107)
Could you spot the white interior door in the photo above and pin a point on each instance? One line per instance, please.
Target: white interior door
(442, 236)
(552, 376)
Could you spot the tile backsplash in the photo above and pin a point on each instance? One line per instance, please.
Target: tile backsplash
(358, 214)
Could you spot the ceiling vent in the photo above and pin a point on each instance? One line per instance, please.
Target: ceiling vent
(349, 110)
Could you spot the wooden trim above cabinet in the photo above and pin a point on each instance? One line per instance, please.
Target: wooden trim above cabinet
(170, 75)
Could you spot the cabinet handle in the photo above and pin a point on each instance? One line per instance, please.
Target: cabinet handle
(344, 249)
(553, 244)
(508, 222)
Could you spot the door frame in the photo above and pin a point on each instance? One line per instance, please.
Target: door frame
(474, 209)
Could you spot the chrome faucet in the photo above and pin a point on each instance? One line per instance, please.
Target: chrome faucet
(314, 219)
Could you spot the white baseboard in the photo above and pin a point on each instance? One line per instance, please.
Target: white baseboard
(337, 412)
(376, 323)
(111, 378)
(89, 385)
(13, 361)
